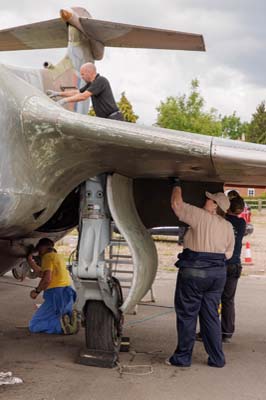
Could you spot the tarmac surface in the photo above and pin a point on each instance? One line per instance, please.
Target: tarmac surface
(47, 363)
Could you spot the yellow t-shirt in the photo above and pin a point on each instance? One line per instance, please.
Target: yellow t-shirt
(55, 263)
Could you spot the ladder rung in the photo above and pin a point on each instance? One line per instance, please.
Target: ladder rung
(123, 271)
(117, 256)
(118, 243)
(123, 278)
(110, 261)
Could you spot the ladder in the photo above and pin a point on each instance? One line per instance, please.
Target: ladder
(121, 263)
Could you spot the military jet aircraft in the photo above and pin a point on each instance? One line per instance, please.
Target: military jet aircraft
(61, 169)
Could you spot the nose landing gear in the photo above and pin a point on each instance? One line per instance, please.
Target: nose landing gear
(103, 333)
(99, 294)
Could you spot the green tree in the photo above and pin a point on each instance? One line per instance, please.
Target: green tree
(257, 129)
(91, 112)
(126, 109)
(186, 113)
(233, 128)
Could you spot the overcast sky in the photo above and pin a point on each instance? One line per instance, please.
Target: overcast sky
(232, 72)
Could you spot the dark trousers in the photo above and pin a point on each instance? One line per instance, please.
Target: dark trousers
(228, 300)
(198, 293)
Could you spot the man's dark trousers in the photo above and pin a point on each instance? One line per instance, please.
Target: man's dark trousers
(228, 299)
(198, 293)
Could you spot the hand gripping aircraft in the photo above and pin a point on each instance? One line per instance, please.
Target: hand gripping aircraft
(62, 169)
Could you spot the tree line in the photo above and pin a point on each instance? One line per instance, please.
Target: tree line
(187, 113)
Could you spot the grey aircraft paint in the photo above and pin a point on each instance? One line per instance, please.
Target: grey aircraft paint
(48, 151)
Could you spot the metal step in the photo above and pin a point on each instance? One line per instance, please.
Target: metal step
(117, 261)
(121, 256)
(118, 243)
(123, 271)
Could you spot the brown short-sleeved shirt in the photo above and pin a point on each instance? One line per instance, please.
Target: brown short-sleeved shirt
(207, 232)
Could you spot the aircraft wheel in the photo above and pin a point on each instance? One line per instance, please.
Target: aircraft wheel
(20, 271)
(101, 329)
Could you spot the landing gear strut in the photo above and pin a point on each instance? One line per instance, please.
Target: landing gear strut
(99, 294)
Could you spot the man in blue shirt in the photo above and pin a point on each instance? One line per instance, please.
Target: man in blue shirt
(234, 266)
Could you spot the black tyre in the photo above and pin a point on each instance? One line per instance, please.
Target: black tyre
(101, 329)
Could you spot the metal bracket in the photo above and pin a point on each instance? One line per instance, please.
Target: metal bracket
(110, 296)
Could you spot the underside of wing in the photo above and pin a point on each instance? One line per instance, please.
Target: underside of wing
(40, 35)
(113, 34)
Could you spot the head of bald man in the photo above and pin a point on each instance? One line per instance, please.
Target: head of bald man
(88, 72)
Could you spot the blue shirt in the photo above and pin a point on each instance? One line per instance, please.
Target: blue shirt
(239, 226)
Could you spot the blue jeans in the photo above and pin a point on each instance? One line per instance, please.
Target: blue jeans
(57, 302)
(198, 293)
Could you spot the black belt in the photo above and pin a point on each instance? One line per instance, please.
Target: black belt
(193, 272)
(114, 113)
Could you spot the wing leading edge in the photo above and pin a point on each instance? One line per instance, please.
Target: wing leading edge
(86, 146)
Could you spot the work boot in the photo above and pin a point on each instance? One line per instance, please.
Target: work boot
(226, 339)
(75, 320)
(67, 326)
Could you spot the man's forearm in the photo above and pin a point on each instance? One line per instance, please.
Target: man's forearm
(43, 285)
(74, 99)
(34, 266)
(177, 200)
(45, 281)
(69, 93)
(77, 97)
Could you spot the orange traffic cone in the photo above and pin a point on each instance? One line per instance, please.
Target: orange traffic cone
(248, 257)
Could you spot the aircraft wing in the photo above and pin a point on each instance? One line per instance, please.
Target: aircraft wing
(102, 145)
(54, 34)
(113, 34)
(40, 35)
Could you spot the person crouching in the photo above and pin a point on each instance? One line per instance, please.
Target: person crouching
(56, 314)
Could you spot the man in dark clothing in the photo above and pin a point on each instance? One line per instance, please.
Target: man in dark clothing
(98, 88)
(234, 267)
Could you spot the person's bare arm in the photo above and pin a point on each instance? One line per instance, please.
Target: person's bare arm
(43, 285)
(45, 281)
(76, 97)
(34, 266)
(69, 93)
(177, 200)
(66, 93)
(185, 212)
